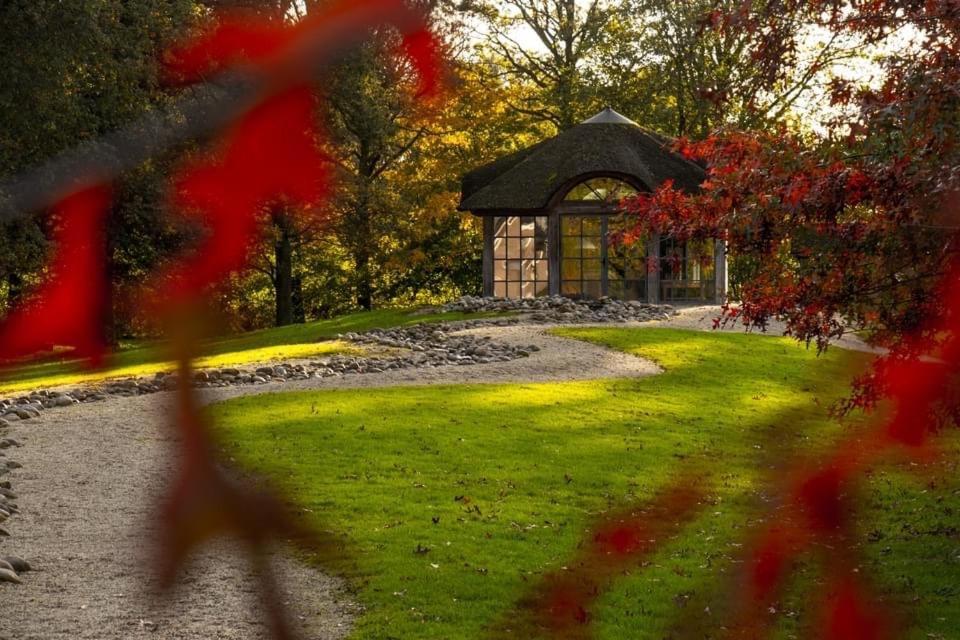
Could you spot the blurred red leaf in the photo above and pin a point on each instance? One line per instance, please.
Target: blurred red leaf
(67, 309)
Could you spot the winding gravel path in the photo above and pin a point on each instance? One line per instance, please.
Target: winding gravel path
(91, 474)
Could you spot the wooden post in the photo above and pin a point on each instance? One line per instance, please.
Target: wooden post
(653, 277)
(487, 256)
(720, 269)
(553, 251)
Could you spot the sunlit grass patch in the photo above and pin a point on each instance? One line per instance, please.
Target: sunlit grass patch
(308, 340)
(495, 484)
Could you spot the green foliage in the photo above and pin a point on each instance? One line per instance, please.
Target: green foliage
(538, 461)
(70, 72)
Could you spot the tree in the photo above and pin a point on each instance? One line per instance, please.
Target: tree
(569, 37)
(857, 229)
(713, 66)
(85, 70)
(376, 119)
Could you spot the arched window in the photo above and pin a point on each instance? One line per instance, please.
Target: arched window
(600, 191)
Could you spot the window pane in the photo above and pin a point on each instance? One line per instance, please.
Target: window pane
(499, 248)
(591, 247)
(513, 289)
(527, 227)
(591, 226)
(609, 190)
(528, 248)
(591, 289)
(542, 224)
(529, 270)
(543, 270)
(499, 226)
(570, 248)
(570, 288)
(527, 290)
(513, 269)
(499, 270)
(570, 225)
(513, 247)
(500, 289)
(591, 269)
(513, 226)
(543, 288)
(571, 269)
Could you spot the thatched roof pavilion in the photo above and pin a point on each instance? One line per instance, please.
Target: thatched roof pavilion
(550, 215)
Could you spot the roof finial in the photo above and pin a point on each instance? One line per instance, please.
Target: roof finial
(609, 116)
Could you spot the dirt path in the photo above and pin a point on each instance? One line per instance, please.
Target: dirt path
(89, 479)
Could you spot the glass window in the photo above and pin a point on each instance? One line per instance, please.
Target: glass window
(591, 260)
(687, 270)
(500, 248)
(582, 256)
(527, 227)
(600, 190)
(528, 251)
(520, 265)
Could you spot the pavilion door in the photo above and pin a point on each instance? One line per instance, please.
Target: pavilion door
(591, 266)
(583, 256)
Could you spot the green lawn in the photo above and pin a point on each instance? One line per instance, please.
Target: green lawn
(295, 341)
(499, 482)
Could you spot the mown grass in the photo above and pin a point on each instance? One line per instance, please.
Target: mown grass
(308, 340)
(499, 482)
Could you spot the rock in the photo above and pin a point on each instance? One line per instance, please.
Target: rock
(19, 564)
(6, 575)
(63, 401)
(13, 465)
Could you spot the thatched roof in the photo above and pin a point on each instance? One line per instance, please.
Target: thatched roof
(607, 143)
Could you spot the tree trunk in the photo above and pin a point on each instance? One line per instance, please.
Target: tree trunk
(283, 276)
(299, 311)
(364, 280)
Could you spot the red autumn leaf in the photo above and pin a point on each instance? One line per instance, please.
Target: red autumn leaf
(67, 309)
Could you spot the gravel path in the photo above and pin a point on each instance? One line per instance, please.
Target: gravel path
(88, 483)
(91, 473)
